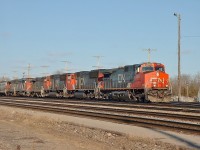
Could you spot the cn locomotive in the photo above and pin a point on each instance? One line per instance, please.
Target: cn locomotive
(138, 82)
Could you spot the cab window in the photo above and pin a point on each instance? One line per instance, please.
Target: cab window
(159, 68)
(147, 69)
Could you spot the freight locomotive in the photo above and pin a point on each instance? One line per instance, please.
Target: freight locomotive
(138, 82)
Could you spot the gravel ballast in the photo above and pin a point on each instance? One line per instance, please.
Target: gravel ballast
(28, 129)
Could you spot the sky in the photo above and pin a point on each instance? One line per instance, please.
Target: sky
(48, 32)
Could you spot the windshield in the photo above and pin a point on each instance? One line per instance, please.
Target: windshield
(148, 68)
(159, 68)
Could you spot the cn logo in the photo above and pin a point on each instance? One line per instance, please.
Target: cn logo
(121, 78)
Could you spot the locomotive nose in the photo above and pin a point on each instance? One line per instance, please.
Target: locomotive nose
(162, 81)
(157, 79)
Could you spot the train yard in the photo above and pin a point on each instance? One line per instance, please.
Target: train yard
(54, 95)
(179, 117)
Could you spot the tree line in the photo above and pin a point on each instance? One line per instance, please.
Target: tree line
(190, 85)
(4, 79)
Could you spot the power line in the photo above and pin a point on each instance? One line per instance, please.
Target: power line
(192, 36)
(29, 68)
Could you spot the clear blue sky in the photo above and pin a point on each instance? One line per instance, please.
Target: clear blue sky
(46, 32)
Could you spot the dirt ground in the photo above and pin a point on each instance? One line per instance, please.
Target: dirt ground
(22, 129)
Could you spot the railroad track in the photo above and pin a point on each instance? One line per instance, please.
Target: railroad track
(176, 106)
(147, 116)
(116, 108)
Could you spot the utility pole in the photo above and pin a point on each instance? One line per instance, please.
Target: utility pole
(98, 62)
(179, 53)
(29, 68)
(198, 95)
(66, 62)
(149, 53)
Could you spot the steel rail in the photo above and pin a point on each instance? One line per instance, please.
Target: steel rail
(126, 103)
(134, 120)
(119, 105)
(176, 116)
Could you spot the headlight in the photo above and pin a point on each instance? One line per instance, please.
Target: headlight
(157, 73)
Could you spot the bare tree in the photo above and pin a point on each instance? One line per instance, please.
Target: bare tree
(4, 78)
(189, 85)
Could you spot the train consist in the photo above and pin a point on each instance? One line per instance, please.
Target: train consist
(139, 82)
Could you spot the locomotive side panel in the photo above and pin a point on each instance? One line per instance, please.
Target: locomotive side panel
(84, 82)
(38, 84)
(56, 83)
(120, 78)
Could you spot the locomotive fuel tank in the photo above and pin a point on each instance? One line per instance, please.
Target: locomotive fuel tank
(52, 94)
(80, 95)
(121, 95)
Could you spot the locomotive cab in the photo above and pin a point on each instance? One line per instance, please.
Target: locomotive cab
(150, 67)
(155, 76)
(152, 79)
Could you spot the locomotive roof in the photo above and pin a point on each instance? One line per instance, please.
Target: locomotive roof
(105, 71)
(109, 71)
(151, 63)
